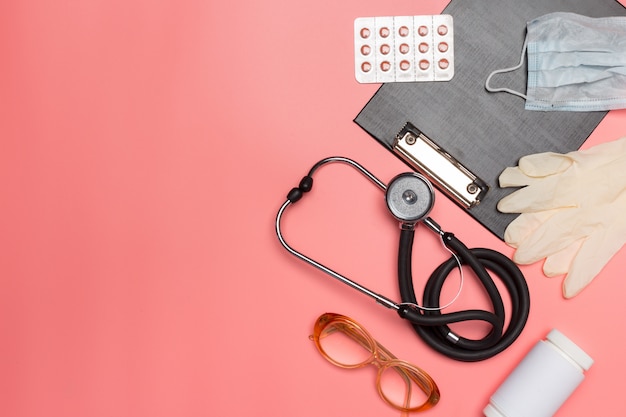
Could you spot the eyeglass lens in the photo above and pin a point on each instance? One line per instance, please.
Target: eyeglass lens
(404, 387)
(346, 345)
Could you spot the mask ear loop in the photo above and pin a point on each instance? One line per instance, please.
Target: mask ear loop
(458, 293)
(502, 71)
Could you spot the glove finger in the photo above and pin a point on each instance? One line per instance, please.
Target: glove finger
(544, 195)
(561, 262)
(552, 236)
(544, 164)
(514, 177)
(524, 225)
(594, 254)
(549, 163)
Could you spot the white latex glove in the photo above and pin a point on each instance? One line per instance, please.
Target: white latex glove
(587, 238)
(576, 179)
(563, 193)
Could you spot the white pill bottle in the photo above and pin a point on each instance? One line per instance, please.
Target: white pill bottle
(543, 380)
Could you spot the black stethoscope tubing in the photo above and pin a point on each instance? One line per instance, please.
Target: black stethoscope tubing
(430, 323)
(440, 337)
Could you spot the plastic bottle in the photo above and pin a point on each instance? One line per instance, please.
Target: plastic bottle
(543, 380)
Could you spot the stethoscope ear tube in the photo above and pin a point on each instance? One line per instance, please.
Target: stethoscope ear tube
(432, 325)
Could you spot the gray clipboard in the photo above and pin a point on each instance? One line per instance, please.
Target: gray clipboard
(485, 132)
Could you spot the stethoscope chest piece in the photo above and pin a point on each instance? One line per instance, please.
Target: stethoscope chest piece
(410, 197)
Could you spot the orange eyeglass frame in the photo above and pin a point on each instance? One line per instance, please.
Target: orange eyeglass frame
(380, 356)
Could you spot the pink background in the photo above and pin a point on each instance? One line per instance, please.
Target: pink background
(145, 149)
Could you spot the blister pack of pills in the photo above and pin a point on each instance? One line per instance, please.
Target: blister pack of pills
(403, 48)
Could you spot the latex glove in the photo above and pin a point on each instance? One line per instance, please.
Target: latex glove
(596, 233)
(527, 223)
(559, 187)
(576, 179)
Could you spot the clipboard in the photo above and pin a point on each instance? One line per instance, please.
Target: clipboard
(485, 132)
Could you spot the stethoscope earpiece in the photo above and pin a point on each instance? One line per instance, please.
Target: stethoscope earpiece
(410, 197)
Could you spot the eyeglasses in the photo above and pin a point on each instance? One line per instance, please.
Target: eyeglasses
(345, 343)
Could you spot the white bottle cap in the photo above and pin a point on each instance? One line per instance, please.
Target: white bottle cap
(572, 350)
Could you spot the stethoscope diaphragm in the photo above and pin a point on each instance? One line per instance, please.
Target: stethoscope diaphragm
(410, 197)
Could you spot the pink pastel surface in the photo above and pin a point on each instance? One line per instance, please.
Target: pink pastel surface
(145, 149)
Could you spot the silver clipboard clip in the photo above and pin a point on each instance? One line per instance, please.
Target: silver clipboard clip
(448, 174)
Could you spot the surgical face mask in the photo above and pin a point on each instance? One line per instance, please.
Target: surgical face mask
(575, 63)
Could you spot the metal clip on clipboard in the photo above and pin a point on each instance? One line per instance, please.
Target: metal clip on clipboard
(446, 173)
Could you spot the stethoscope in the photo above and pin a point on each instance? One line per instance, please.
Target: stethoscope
(410, 198)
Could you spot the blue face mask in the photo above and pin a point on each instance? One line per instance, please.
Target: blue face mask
(575, 63)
